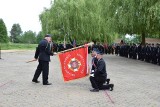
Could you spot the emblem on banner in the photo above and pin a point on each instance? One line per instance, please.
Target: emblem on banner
(74, 64)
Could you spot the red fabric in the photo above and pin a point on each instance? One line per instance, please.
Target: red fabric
(74, 63)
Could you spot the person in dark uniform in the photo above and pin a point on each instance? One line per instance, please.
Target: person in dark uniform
(139, 54)
(60, 47)
(143, 52)
(94, 63)
(101, 47)
(130, 51)
(43, 53)
(134, 51)
(154, 50)
(99, 77)
(117, 49)
(55, 47)
(158, 53)
(68, 46)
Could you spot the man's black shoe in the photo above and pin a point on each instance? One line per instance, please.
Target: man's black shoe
(94, 90)
(111, 87)
(47, 84)
(108, 80)
(36, 81)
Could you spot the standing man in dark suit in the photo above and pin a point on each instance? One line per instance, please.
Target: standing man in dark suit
(43, 53)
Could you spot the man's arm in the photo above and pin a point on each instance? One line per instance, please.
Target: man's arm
(48, 49)
(36, 53)
(99, 69)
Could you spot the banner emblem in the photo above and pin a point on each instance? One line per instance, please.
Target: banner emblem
(74, 64)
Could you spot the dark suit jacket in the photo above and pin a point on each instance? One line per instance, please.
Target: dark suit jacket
(101, 69)
(43, 51)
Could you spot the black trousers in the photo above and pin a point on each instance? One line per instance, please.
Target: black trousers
(43, 67)
(97, 83)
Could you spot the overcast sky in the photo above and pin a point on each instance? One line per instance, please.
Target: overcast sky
(24, 12)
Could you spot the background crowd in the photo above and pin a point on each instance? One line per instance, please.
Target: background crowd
(149, 52)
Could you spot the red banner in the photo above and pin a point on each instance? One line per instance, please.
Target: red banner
(74, 63)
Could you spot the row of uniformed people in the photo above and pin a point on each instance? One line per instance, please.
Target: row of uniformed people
(107, 49)
(149, 52)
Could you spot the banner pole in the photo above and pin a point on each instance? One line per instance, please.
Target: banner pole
(89, 44)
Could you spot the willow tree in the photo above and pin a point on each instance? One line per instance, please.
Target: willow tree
(154, 17)
(140, 17)
(81, 19)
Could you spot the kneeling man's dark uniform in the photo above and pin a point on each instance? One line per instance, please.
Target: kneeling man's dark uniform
(100, 76)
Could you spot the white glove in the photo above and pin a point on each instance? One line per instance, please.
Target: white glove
(92, 75)
(54, 53)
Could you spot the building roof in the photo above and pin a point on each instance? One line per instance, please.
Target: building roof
(152, 40)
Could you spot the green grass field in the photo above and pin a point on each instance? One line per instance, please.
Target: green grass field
(17, 46)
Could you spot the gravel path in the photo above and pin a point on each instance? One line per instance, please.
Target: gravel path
(137, 84)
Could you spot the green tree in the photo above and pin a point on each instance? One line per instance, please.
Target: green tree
(3, 32)
(101, 19)
(15, 33)
(40, 36)
(141, 17)
(28, 37)
(81, 19)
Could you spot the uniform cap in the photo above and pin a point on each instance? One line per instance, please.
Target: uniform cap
(100, 52)
(48, 35)
(96, 50)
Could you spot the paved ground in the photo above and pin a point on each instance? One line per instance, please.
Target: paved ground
(137, 84)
